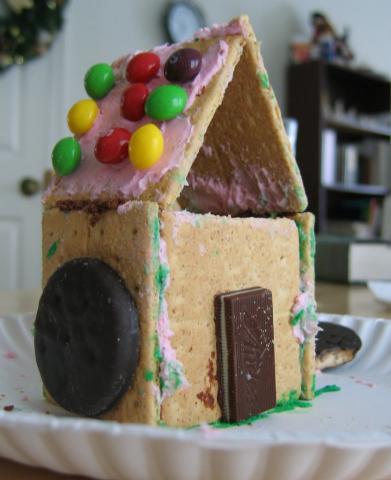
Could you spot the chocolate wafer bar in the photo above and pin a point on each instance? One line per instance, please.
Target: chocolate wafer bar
(245, 346)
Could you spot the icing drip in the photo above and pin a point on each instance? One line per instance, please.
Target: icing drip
(171, 372)
(304, 316)
(303, 312)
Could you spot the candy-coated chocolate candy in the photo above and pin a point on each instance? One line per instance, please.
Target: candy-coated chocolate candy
(82, 116)
(146, 146)
(142, 67)
(133, 101)
(99, 80)
(166, 102)
(183, 65)
(66, 156)
(113, 146)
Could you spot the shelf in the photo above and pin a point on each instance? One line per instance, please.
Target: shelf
(359, 189)
(356, 128)
(357, 71)
(353, 103)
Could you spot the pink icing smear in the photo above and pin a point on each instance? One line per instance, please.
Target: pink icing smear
(250, 189)
(171, 369)
(10, 355)
(235, 27)
(94, 178)
(307, 327)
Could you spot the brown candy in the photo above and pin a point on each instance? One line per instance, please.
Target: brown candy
(183, 65)
(245, 348)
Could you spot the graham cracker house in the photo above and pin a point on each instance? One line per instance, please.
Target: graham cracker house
(220, 211)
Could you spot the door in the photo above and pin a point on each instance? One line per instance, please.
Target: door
(29, 105)
(34, 100)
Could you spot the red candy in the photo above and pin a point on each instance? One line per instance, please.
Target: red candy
(113, 146)
(133, 100)
(143, 67)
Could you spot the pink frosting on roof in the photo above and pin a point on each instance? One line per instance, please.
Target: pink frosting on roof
(94, 178)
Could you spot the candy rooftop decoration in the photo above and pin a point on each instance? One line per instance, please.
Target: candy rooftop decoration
(201, 101)
(28, 29)
(142, 144)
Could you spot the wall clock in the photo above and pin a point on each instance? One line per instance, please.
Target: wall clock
(182, 20)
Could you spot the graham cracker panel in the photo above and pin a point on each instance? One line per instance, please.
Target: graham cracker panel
(209, 255)
(125, 242)
(246, 145)
(168, 188)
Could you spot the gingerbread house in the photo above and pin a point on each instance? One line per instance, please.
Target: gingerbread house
(177, 263)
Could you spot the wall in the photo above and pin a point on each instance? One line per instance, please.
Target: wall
(134, 25)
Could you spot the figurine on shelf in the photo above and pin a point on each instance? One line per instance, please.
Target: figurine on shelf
(324, 43)
(327, 44)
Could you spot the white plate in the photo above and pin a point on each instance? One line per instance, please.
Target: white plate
(381, 290)
(345, 435)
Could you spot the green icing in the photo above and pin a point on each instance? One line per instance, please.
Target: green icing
(180, 178)
(148, 375)
(299, 192)
(301, 352)
(264, 79)
(327, 389)
(302, 239)
(296, 318)
(312, 243)
(288, 402)
(161, 279)
(154, 226)
(157, 354)
(304, 386)
(52, 249)
(174, 376)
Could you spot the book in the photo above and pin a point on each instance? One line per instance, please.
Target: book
(329, 157)
(351, 260)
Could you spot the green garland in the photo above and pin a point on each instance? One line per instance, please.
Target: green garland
(28, 29)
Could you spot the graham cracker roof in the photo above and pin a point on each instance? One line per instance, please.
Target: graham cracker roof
(235, 158)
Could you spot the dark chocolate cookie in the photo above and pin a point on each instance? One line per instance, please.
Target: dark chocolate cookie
(335, 345)
(86, 336)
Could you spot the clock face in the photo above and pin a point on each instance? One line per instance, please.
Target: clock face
(182, 20)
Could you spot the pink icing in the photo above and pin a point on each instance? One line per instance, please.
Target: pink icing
(93, 178)
(249, 189)
(10, 355)
(307, 327)
(235, 27)
(169, 363)
(207, 150)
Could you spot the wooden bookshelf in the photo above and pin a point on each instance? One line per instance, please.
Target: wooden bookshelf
(314, 90)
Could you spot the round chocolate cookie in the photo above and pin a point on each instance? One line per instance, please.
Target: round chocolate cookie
(335, 345)
(86, 336)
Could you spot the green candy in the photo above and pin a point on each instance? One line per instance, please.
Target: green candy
(66, 156)
(166, 102)
(99, 80)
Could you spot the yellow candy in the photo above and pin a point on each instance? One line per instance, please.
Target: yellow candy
(146, 146)
(82, 116)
